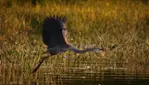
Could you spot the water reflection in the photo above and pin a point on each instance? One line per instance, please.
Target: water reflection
(102, 78)
(73, 75)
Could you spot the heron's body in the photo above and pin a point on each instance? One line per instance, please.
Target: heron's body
(58, 49)
(54, 35)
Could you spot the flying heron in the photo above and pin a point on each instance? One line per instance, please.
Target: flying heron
(54, 33)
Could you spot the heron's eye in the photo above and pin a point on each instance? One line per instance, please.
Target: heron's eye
(61, 29)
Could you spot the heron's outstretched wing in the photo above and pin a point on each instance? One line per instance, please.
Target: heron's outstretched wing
(52, 31)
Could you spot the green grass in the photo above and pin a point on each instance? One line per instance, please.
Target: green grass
(101, 23)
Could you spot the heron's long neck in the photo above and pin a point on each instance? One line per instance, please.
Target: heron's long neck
(85, 50)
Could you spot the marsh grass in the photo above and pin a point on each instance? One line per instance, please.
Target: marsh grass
(101, 23)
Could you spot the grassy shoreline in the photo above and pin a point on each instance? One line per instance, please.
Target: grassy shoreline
(100, 24)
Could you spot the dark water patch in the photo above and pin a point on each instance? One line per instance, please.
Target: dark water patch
(95, 79)
(105, 80)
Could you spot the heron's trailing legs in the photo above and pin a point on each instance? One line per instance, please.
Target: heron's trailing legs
(37, 67)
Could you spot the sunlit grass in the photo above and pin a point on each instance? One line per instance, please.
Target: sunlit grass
(103, 24)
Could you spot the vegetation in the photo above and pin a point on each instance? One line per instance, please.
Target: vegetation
(102, 23)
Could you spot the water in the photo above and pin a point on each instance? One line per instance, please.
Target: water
(82, 75)
(105, 78)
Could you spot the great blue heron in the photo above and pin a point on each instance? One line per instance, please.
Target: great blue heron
(54, 34)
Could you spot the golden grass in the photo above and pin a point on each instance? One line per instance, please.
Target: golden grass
(102, 24)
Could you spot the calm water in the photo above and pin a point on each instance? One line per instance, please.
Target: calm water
(80, 76)
(94, 79)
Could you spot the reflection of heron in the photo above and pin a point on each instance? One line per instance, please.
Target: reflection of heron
(54, 36)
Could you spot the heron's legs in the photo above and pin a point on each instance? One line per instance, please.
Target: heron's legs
(37, 67)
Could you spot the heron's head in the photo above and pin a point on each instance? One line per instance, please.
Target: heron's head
(63, 27)
(64, 30)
